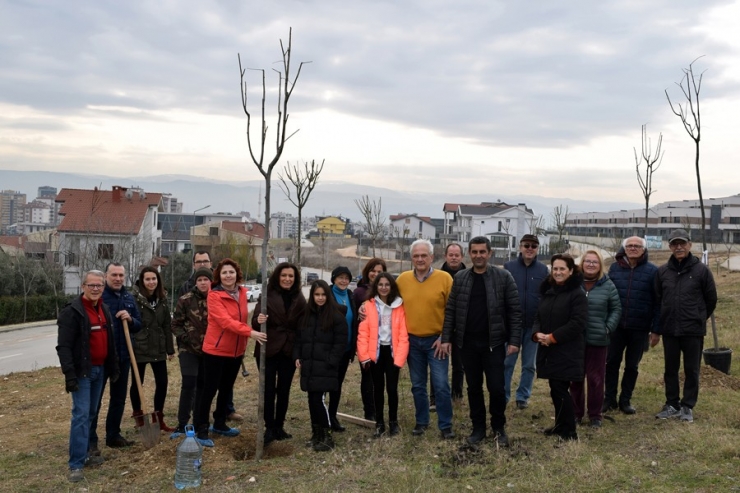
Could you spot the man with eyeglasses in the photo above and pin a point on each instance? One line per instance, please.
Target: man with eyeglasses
(634, 277)
(201, 260)
(528, 273)
(687, 297)
(122, 306)
(86, 354)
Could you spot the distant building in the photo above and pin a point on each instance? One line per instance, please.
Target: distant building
(36, 217)
(11, 210)
(229, 238)
(334, 226)
(412, 226)
(722, 220)
(103, 226)
(170, 204)
(283, 225)
(177, 229)
(500, 222)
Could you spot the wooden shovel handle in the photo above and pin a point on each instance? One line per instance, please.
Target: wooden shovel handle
(139, 386)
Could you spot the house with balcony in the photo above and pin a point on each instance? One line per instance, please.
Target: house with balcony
(103, 226)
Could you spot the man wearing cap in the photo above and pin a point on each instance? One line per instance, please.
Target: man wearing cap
(634, 277)
(528, 273)
(453, 264)
(687, 296)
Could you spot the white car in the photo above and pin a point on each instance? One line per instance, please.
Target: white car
(253, 291)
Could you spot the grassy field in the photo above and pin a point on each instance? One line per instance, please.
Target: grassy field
(630, 453)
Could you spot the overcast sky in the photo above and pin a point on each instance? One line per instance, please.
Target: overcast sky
(536, 97)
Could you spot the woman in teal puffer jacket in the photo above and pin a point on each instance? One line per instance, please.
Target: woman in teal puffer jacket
(604, 312)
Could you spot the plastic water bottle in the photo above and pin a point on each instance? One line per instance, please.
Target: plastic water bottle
(189, 459)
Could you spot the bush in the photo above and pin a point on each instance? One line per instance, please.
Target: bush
(39, 307)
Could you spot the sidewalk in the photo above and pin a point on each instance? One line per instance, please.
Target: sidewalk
(27, 325)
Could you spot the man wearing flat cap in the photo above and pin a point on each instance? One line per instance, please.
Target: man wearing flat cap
(687, 296)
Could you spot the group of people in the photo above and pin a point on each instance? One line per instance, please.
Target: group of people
(571, 324)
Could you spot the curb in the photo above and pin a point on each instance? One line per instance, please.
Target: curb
(28, 325)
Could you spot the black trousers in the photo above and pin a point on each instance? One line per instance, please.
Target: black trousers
(193, 372)
(279, 371)
(317, 409)
(458, 373)
(336, 395)
(631, 344)
(565, 418)
(367, 392)
(673, 347)
(480, 361)
(385, 377)
(159, 369)
(219, 376)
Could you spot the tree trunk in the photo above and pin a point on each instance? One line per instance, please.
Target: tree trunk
(701, 200)
(260, 445)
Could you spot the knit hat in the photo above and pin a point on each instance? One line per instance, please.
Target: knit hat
(679, 234)
(530, 238)
(339, 271)
(203, 271)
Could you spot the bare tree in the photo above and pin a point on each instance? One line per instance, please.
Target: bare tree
(690, 115)
(303, 180)
(559, 220)
(536, 225)
(652, 163)
(372, 211)
(265, 167)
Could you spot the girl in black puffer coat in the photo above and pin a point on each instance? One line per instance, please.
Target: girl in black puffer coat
(318, 350)
(558, 328)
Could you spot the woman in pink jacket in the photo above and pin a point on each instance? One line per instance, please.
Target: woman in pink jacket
(383, 346)
(223, 349)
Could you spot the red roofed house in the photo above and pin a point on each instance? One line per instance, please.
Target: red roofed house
(238, 240)
(103, 226)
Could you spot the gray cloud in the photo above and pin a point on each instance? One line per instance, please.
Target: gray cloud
(500, 73)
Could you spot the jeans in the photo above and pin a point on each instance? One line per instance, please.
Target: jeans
(631, 343)
(595, 367)
(192, 371)
(421, 357)
(481, 361)
(85, 404)
(691, 347)
(385, 375)
(118, 392)
(528, 352)
(159, 369)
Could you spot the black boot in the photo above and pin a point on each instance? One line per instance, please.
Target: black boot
(394, 428)
(379, 430)
(336, 425)
(315, 436)
(325, 441)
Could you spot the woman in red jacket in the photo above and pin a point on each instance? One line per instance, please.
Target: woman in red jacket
(383, 346)
(223, 349)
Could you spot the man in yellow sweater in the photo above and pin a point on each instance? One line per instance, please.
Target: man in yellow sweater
(425, 291)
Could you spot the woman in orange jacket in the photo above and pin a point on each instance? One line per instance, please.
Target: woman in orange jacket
(223, 349)
(383, 346)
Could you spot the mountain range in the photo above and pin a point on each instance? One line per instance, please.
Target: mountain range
(328, 198)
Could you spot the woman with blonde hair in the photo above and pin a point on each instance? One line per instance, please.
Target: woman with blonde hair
(604, 311)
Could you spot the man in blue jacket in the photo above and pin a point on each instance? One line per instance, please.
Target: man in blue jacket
(633, 276)
(528, 273)
(687, 297)
(122, 306)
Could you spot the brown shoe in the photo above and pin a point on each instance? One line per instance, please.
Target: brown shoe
(235, 416)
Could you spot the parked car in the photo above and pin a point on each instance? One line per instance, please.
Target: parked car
(254, 291)
(311, 277)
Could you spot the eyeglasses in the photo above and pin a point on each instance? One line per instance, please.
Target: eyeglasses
(634, 247)
(530, 246)
(591, 262)
(95, 286)
(202, 262)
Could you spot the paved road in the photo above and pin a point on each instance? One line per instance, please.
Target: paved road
(28, 349)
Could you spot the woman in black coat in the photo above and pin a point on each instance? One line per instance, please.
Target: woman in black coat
(559, 327)
(318, 350)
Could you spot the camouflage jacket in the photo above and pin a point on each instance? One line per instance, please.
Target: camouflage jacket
(190, 321)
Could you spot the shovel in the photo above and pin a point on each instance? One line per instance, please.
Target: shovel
(150, 430)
